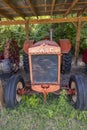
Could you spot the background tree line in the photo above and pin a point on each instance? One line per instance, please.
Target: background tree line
(39, 31)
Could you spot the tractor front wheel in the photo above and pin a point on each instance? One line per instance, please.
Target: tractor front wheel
(78, 84)
(14, 84)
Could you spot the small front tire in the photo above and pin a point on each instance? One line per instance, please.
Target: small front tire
(12, 98)
(79, 98)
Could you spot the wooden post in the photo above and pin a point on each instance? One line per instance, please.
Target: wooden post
(77, 40)
(27, 29)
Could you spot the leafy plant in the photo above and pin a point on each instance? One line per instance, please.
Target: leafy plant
(39, 31)
(32, 113)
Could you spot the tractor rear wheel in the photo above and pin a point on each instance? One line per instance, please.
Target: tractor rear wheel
(66, 62)
(79, 98)
(25, 62)
(12, 97)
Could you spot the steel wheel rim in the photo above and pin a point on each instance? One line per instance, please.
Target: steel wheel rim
(19, 86)
(74, 96)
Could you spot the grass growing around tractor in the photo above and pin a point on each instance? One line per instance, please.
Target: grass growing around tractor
(32, 114)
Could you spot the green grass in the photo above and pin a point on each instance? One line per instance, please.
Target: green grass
(33, 114)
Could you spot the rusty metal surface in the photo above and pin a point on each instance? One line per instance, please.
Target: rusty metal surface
(27, 44)
(44, 61)
(65, 45)
(47, 42)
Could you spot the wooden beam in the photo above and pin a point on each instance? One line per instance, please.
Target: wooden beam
(14, 8)
(70, 8)
(52, 7)
(32, 8)
(43, 21)
(5, 15)
(77, 40)
(27, 29)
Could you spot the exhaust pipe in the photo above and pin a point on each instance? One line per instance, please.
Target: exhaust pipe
(51, 34)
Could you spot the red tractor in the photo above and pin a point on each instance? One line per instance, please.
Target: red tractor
(44, 60)
(65, 46)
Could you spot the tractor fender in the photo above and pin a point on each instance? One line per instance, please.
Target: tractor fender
(27, 44)
(65, 45)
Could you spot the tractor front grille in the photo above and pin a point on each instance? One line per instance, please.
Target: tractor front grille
(45, 68)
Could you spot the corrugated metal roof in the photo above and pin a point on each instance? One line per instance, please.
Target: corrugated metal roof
(27, 8)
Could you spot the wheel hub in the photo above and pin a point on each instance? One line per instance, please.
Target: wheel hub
(74, 96)
(19, 87)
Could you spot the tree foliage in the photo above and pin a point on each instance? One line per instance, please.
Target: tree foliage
(83, 42)
(39, 31)
(8, 32)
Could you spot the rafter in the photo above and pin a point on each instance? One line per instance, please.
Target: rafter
(13, 7)
(65, 1)
(42, 5)
(32, 8)
(70, 8)
(5, 15)
(53, 5)
(82, 11)
(48, 11)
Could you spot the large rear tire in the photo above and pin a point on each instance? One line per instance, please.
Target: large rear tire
(79, 98)
(12, 98)
(66, 62)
